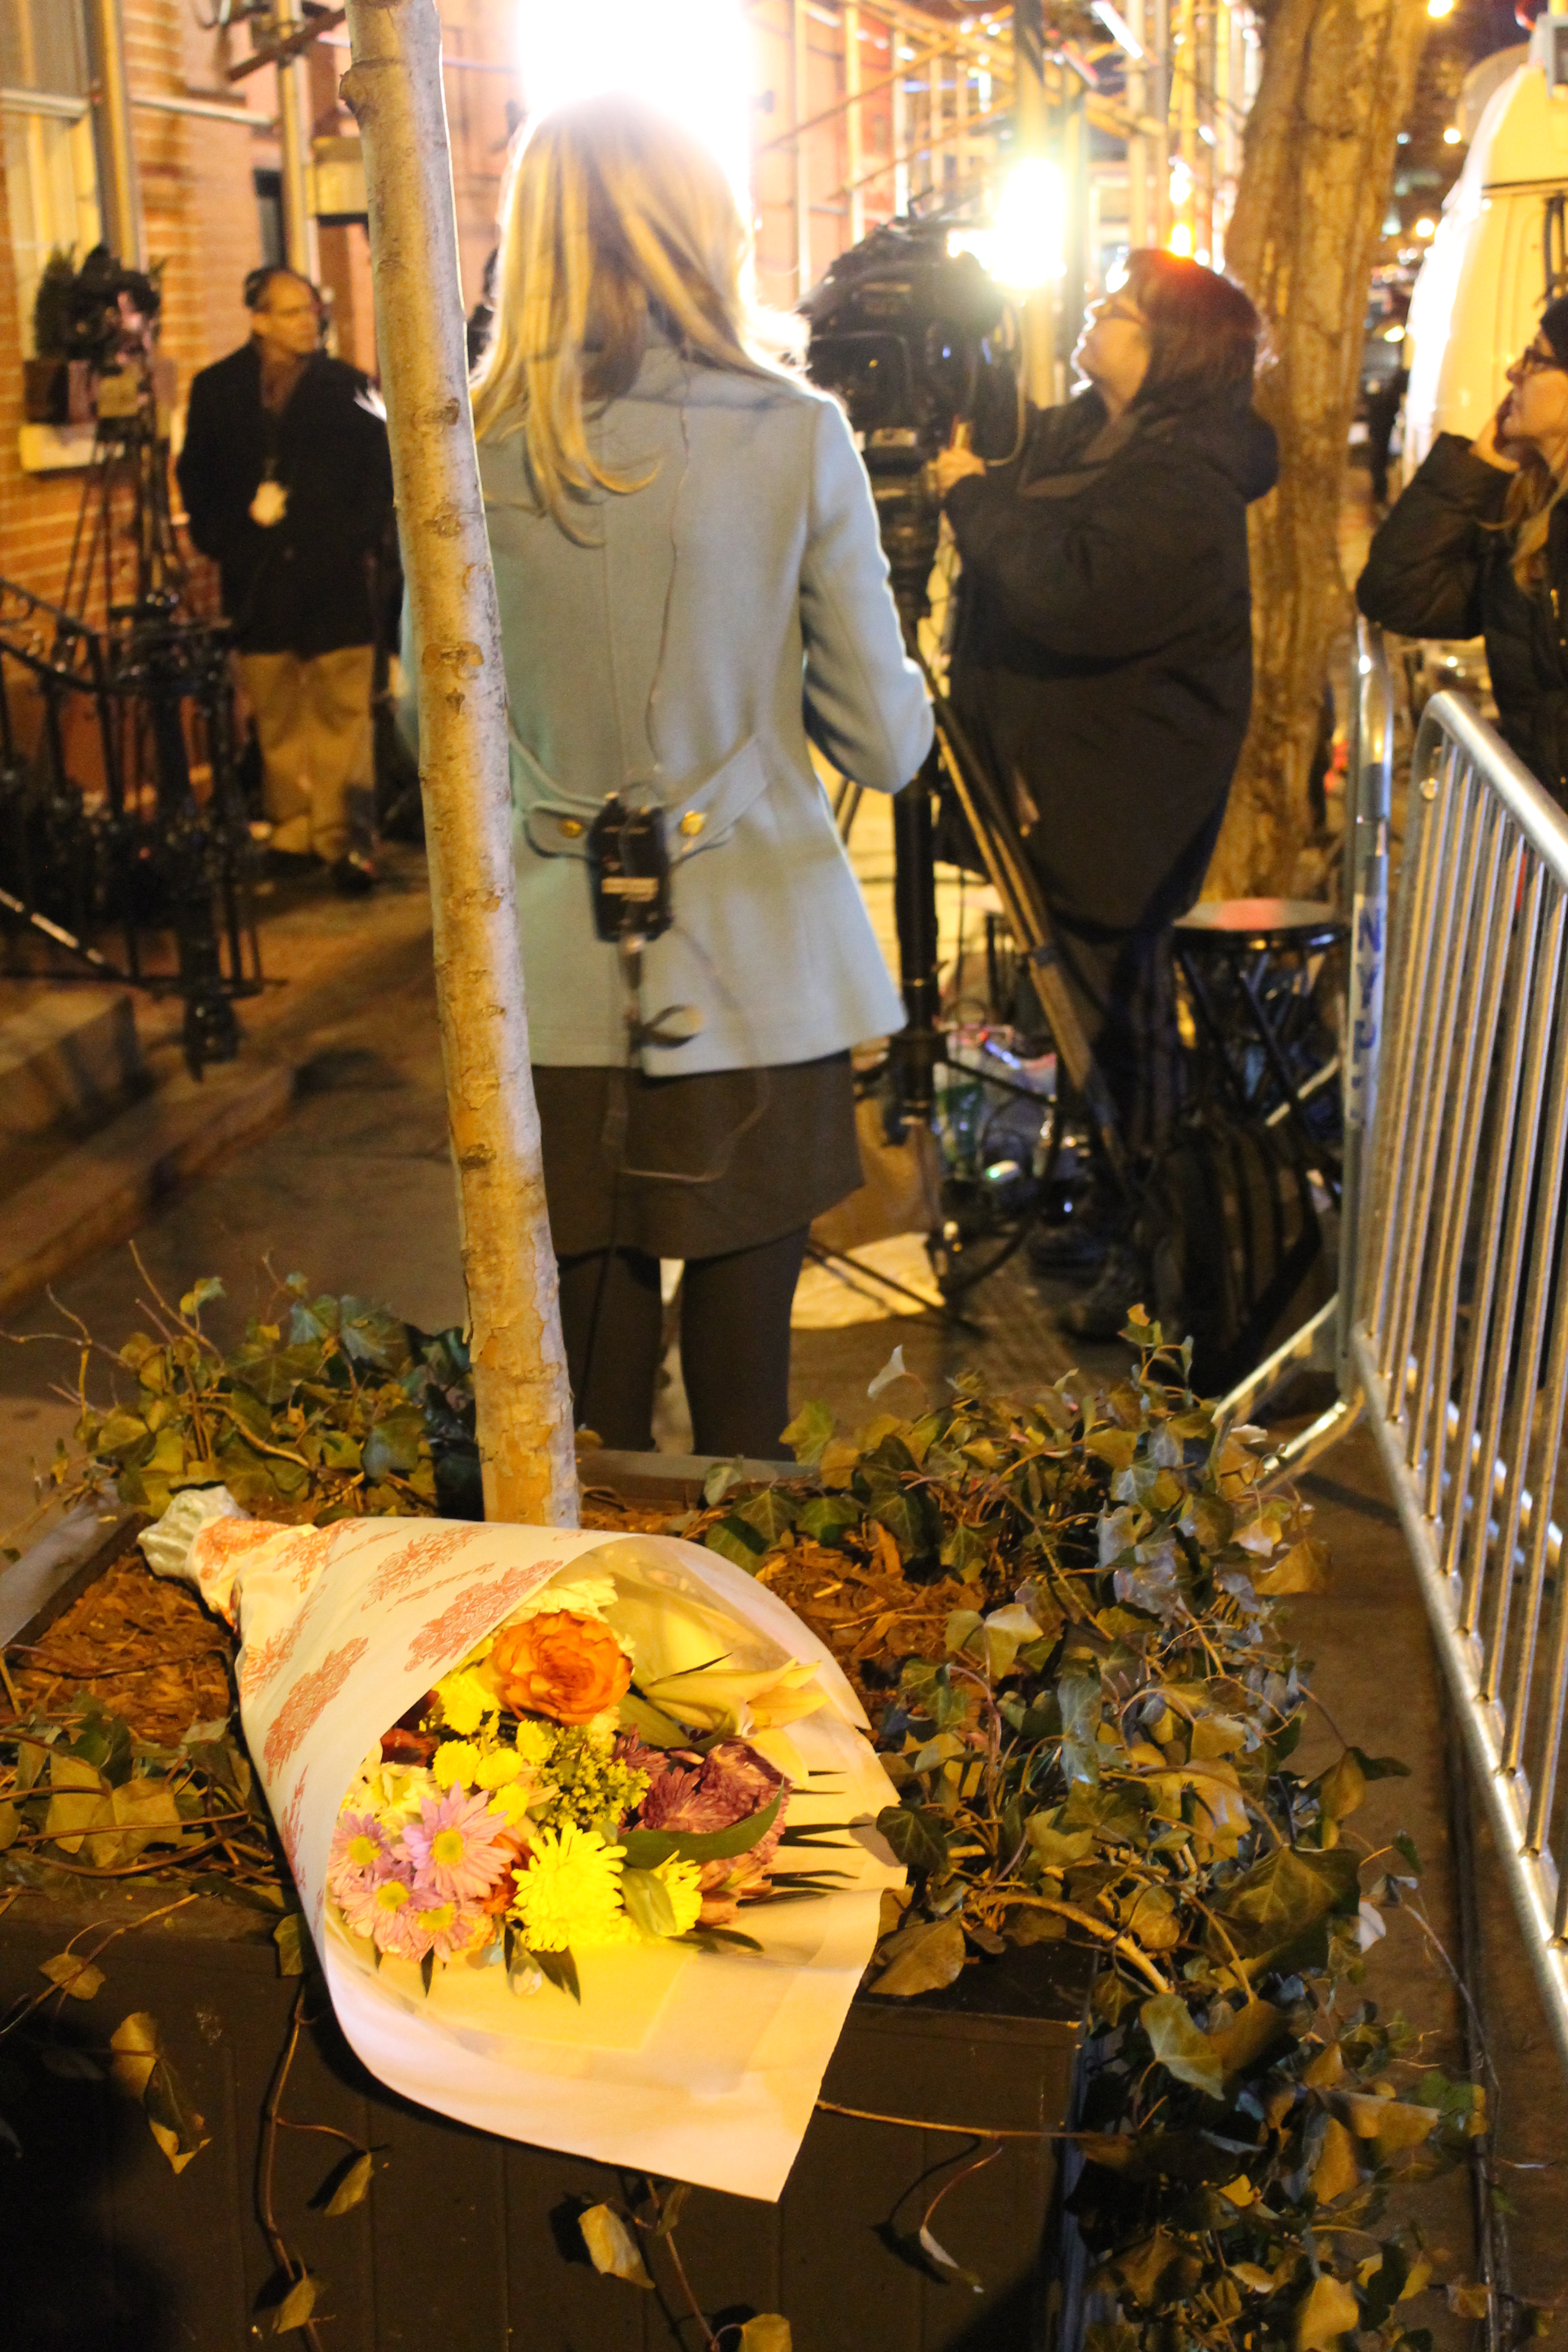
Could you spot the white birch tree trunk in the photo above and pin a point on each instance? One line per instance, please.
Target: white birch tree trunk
(393, 87)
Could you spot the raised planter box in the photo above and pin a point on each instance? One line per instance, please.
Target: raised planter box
(468, 2242)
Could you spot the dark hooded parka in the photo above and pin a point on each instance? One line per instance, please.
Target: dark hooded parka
(1104, 647)
(1440, 566)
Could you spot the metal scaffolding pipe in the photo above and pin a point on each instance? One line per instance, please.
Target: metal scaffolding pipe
(118, 186)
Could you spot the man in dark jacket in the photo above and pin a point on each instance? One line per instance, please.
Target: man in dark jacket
(1103, 660)
(287, 481)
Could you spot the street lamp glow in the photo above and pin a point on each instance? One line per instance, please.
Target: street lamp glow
(1028, 246)
(1439, 7)
(1451, 135)
(1180, 241)
(692, 59)
(1425, 226)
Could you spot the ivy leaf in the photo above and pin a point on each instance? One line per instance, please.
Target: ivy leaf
(1304, 1568)
(1327, 2312)
(733, 1541)
(73, 1974)
(767, 2332)
(1078, 1695)
(922, 1959)
(808, 1433)
(917, 1836)
(771, 1513)
(290, 1947)
(1181, 2046)
(829, 1519)
(297, 2306)
(353, 2187)
(612, 2248)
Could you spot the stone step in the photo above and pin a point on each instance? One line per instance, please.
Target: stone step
(70, 1060)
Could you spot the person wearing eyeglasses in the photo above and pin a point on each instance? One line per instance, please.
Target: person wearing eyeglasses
(1477, 547)
(1103, 665)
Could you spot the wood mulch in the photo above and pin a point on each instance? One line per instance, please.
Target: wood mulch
(143, 1648)
(146, 1649)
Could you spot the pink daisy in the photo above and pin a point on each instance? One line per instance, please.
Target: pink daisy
(393, 1911)
(458, 1847)
(359, 1852)
(444, 1926)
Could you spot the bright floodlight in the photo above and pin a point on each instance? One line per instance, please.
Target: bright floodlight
(1028, 246)
(1180, 241)
(693, 57)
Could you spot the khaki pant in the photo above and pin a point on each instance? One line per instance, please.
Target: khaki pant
(313, 721)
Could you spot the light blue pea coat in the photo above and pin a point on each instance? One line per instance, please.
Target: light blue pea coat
(718, 617)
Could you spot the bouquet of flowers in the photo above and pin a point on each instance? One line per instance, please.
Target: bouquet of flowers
(509, 1765)
(538, 1802)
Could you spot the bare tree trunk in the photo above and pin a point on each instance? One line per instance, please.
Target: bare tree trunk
(1338, 75)
(393, 87)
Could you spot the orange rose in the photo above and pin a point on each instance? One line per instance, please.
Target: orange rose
(559, 1665)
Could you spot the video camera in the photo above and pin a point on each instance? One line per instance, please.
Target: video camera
(85, 323)
(914, 339)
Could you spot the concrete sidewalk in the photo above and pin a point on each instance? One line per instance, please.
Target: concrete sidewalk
(321, 954)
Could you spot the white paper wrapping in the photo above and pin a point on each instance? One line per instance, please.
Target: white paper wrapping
(689, 2064)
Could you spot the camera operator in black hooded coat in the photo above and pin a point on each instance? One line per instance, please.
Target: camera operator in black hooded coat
(1104, 666)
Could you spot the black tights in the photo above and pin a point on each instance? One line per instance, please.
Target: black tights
(734, 1344)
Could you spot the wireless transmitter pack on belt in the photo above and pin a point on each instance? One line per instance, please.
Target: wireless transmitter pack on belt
(628, 872)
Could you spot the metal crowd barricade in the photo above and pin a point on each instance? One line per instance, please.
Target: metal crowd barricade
(1322, 1344)
(1458, 1336)
(1450, 1326)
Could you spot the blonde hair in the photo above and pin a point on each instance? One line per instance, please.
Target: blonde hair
(1532, 494)
(610, 211)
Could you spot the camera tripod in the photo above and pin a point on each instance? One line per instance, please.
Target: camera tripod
(909, 520)
(156, 682)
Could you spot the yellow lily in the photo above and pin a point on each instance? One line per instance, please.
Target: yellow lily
(721, 1698)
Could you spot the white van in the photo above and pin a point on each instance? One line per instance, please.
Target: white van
(1500, 253)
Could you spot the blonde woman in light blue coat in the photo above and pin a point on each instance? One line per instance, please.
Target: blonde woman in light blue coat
(692, 592)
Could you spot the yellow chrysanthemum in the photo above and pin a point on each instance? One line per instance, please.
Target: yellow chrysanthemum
(465, 1701)
(510, 1804)
(569, 1897)
(456, 1762)
(497, 1766)
(683, 1885)
(535, 1741)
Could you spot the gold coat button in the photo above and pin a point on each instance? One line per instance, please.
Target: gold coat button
(571, 826)
(692, 822)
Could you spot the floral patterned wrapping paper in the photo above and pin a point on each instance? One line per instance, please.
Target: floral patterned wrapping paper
(695, 2065)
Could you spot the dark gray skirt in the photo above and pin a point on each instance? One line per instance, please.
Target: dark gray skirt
(694, 1166)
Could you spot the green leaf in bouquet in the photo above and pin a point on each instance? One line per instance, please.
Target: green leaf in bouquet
(714, 1940)
(427, 1971)
(559, 1970)
(647, 1904)
(646, 1849)
(651, 1724)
